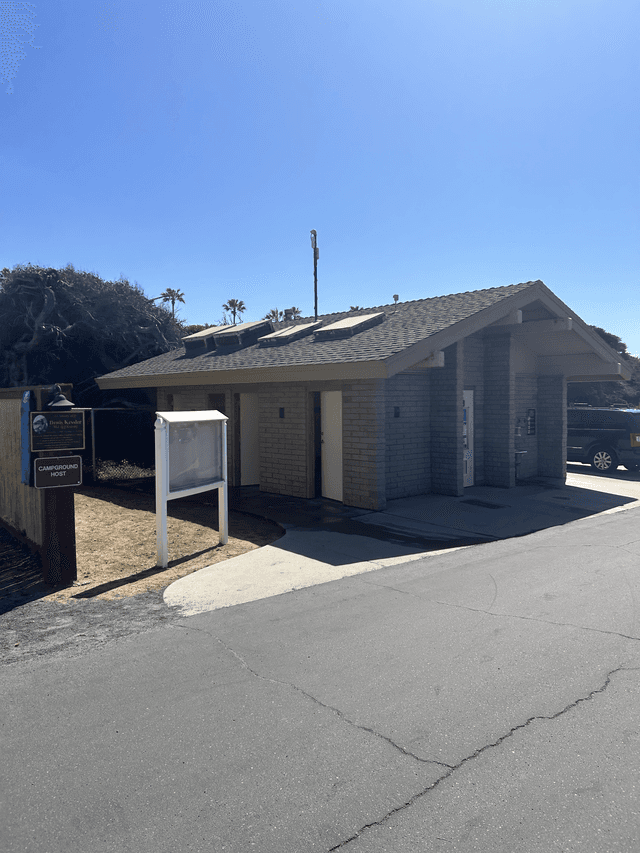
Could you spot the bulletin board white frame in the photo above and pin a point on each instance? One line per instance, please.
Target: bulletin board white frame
(164, 421)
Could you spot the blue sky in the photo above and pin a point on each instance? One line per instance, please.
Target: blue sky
(436, 146)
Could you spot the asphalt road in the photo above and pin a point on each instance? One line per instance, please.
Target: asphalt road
(480, 700)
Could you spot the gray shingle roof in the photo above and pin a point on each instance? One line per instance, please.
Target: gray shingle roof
(404, 325)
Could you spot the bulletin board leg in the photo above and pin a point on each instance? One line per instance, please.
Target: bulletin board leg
(223, 514)
(161, 534)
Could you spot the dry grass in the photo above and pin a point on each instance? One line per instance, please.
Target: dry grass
(116, 542)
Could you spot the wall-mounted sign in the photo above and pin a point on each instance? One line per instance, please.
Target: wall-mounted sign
(57, 431)
(54, 471)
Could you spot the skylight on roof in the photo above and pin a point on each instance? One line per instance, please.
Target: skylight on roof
(243, 334)
(348, 326)
(288, 334)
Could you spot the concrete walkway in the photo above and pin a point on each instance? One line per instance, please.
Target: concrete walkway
(325, 541)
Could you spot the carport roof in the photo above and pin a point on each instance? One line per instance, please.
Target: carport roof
(408, 333)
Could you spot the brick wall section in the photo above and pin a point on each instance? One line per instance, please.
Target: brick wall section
(408, 462)
(499, 411)
(473, 380)
(446, 423)
(363, 444)
(552, 427)
(284, 454)
(526, 397)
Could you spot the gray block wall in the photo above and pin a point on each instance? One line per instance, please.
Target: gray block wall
(284, 441)
(499, 411)
(446, 386)
(363, 444)
(552, 427)
(407, 435)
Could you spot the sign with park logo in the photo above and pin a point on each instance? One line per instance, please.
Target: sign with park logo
(57, 431)
(54, 471)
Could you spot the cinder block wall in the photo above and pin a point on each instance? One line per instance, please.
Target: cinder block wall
(499, 411)
(526, 397)
(407, 435)
(284, 442)
(552, 427)
(363, 444)
(473, 380)
(446, 423)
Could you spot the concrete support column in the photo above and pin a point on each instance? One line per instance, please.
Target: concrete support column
(499, 412)
(446, 424)
(552, 428)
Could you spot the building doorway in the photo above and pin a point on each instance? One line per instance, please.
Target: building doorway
(331, 444)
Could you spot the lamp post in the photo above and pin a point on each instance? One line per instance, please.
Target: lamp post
(316, 255)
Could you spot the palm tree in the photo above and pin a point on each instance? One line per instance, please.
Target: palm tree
(172, 296)
(274, 315)
(235, 307)
(288, 314)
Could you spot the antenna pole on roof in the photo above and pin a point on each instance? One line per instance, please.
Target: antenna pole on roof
(316, 255)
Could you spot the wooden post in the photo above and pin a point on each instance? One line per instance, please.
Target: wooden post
(59, 564)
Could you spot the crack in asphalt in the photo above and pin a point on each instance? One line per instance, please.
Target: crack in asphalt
(537, 619)
(340, 714)
(505, 615)
(477, 753)
(450, 769)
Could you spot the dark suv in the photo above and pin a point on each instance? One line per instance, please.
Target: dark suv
(605, 438)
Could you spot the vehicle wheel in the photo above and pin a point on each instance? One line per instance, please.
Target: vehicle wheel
(603, 460)
(632, 466)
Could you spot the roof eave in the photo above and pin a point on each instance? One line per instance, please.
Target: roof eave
(350, 370)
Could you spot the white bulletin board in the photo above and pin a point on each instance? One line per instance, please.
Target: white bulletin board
(191, 457)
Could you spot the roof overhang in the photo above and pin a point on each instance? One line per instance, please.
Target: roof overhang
(345, 371)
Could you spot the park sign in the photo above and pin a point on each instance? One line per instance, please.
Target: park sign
(54, 471)
(53, 430)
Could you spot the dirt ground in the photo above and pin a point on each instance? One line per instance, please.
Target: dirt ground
(116, 544)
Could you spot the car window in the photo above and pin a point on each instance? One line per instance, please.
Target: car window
(634, 417)
(604, 419)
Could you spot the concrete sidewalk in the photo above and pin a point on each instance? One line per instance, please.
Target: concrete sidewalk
(324, 541)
